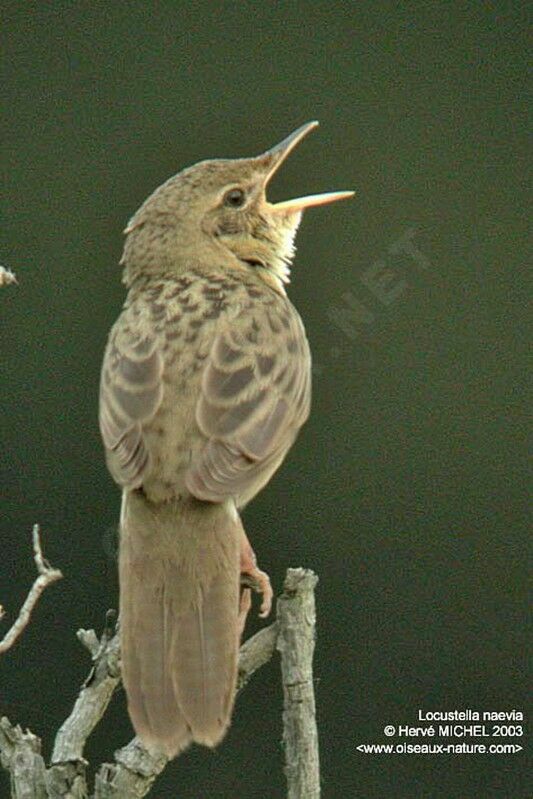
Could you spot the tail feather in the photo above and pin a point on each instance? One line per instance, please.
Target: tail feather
(179, 596)
(205, 685)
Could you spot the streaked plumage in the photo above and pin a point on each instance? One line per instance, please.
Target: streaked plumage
(205, 385)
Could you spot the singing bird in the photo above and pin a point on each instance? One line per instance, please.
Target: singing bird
(206, 381)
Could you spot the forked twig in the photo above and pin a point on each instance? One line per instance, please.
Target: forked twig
(134, 769)
(46, 576)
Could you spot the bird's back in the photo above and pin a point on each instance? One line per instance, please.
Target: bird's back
(184, 315)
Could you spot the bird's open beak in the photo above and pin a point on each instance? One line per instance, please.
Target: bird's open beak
(273, 159)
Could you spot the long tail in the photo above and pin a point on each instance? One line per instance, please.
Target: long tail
(179, 605)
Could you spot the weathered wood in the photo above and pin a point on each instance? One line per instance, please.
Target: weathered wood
(296, 644)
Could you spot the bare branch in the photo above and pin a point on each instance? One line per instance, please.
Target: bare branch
(47, 576)
(296, 644)
(68, 765)
(134, 770)
(20, 754)
(255, 652)
(131, 775)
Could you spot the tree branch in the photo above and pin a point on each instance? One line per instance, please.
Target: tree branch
(255, 652)
(134, 769)
(47, 576)
(20, 754)
(68, 766)
(296, 644)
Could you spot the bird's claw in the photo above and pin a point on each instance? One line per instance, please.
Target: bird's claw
(256, 579)
(259, 581)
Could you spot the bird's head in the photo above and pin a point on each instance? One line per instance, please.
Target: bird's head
(218, 209)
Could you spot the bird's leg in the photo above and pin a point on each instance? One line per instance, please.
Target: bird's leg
(252, 576)
(245, 603)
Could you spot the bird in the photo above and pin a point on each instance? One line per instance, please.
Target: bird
(205, 384)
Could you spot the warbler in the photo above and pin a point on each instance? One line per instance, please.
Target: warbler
(206, 381)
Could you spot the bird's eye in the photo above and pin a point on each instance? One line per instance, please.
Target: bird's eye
(235, 198)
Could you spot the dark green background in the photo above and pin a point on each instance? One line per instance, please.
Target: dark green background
(406, 491)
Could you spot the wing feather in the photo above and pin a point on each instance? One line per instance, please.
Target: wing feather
(255, 397)
(130, 394)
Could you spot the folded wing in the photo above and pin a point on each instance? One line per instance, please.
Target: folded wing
(130, 394)
(255, 396)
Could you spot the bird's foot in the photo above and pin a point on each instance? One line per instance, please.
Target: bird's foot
(253, 577)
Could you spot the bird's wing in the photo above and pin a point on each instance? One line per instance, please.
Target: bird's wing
(255, 396)
(130, 394)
